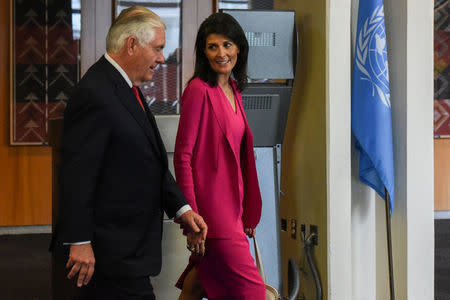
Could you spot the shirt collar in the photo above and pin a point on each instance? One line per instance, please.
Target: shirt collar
(119, 68)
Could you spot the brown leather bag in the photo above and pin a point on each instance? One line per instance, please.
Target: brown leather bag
(271, 292)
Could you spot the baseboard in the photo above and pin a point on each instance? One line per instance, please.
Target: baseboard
(34, 229)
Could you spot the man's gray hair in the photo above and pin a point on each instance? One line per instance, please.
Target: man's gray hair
(138, 21)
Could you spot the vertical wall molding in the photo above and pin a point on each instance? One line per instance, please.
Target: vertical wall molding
(96, 17)
(338, 103)
(193, 13)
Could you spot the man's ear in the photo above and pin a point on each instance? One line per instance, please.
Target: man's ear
(130, 44)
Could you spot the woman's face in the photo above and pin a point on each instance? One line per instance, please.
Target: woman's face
(222, 53)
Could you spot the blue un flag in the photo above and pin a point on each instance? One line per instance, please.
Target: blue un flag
(371, 101)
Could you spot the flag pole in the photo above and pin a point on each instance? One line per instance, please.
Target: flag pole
(389, 243)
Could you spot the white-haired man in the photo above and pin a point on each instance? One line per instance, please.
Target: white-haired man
(115, 182)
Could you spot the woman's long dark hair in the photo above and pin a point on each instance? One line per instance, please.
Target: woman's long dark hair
(226, 25)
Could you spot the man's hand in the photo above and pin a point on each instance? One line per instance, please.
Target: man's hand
(82, 261)
(194, 223)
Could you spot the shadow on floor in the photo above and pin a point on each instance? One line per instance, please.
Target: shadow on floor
(442, 259)
(25, 267)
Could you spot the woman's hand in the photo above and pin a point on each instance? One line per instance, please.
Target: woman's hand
(196, 243)
(250, 232)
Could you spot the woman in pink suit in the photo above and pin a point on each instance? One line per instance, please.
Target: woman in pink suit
(215, 167)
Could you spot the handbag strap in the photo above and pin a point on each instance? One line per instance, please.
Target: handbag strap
(258, 259)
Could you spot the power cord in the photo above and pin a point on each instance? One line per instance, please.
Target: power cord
(310, 242)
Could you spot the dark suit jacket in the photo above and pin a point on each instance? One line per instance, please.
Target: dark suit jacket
(115, 182)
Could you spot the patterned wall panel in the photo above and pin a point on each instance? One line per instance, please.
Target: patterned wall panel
(442, 68)
(45, 66)
(442, 118)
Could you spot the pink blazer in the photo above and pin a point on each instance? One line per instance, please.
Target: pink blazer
(206, 166)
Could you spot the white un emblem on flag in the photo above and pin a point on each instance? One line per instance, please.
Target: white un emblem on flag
(371, 55)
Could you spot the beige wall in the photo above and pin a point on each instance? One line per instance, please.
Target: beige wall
(304, 178)
(442, 174)
(25, 172)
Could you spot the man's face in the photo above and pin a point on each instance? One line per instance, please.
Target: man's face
(148, 58)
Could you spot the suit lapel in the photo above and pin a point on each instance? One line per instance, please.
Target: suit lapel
(159, 142)
(248, 133)
(219, 109)
(238, 98)
(129, 101)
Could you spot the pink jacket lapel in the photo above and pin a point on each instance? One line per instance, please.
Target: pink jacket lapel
(215, 97)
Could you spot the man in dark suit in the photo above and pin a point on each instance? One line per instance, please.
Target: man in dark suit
(115, 182)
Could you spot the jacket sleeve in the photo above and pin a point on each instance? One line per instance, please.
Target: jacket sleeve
(85, 138)
(174, 198)
(192, 107)
(252, 203)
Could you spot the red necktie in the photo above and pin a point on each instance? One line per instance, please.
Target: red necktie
(136, 93)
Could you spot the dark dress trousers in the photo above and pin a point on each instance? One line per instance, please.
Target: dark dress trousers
(115, 182)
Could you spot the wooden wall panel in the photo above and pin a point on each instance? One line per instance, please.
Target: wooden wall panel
(304, 176)
(442, 174)
(25, 171)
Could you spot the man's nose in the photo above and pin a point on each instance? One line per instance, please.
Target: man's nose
(161, 58)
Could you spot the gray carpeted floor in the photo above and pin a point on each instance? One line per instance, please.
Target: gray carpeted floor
(442, 259)
(25, 265)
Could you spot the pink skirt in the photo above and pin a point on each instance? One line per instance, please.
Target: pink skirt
(227, 270)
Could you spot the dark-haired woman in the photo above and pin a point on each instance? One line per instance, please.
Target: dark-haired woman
(215, 167)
